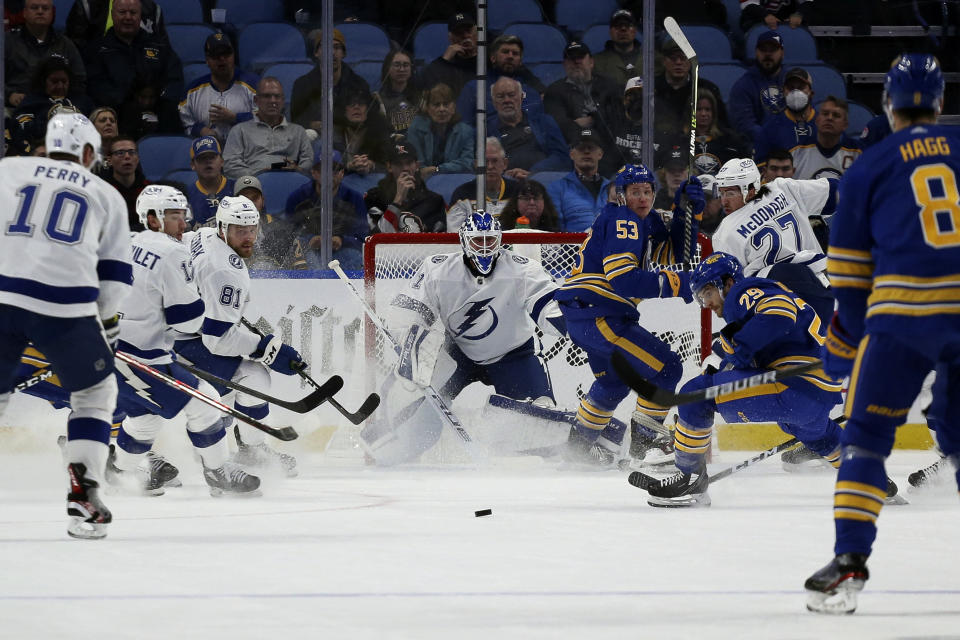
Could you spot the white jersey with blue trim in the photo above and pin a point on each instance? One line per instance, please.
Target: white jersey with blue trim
(487, 317)
(164, 298)
(65, 241)
(776, 227)
(224, 283)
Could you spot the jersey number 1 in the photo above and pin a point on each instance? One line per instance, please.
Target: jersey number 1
(940, 209)
(73, 204)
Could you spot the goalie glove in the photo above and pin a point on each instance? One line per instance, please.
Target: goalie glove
(418, 356)
(838, 351)
(280, 357)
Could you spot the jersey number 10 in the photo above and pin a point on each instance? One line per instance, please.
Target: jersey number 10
(940, 210)
(63, 202)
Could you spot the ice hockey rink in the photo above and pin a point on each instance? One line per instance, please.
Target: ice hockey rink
(348, 551)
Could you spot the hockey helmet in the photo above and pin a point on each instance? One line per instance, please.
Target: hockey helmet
(915, 81)
(238, 210)
(738, 172)
(70, 133)
(713, 270)
(633, 174)
(158, 199)
(480, 237)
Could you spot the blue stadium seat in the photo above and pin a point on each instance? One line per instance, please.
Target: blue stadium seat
(503, 12)
(710, 43)
(369, 70)
(548, 72)
(193, 71)
(61, 11)
(159, 155)
(859, 116)
(244, 12)
(541, 42)
(546, 177)
(360, 183)
(262, 44)
(188, 40)
(365, 41)
(799, 46)
(596, 37)
(733, 16)
(575, 15)
(826, 81)
(723, 75)
(181, 11)
(277, 187)
(287, 73)
(446, 183)
(430, 41)
(183, 176)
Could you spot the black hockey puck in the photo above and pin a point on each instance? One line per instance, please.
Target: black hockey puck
(483, 512)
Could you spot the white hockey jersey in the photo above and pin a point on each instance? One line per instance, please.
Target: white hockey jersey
(809, 161)
(224, 283)
(65, 245)
(776, 228)
(164, 298)
(487, 317)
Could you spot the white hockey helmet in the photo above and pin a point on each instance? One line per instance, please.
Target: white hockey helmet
(739, 172)
(70, 133)
(237, 210)
(157, 199)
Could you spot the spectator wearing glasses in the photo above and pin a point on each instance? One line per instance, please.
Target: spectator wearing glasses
(399, 93)
(442, 142)
(125, 174)
(506, 60)
(672, 91)
(361, 133)
(622, 56)
(533, 203)
(463, 201)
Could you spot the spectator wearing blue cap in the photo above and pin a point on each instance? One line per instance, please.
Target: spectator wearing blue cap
(220, 99)
(204, 195)
(758, 94)
(350, 226)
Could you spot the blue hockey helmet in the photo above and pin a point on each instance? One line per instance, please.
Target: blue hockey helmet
(633, 174)
(480, 237)
(713, 270)
(915, 81)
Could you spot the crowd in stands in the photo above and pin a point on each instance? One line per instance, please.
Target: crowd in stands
(555, 139)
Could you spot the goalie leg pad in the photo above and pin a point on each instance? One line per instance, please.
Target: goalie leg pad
(406, 426)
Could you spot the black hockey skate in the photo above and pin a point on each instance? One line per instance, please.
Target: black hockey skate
(927, 476)
(647, 450)
(803, 460)
(231, 479)
(681, 490)
(834, 588)
(262, 455)
(581, 452)
(893, 495)
(89, 517)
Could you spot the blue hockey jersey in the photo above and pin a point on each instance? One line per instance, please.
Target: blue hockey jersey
(894, 257)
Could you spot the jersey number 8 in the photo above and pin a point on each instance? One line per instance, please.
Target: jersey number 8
(940, 209)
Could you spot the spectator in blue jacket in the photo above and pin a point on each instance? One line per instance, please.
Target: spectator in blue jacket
(442, 142)
(795, 125)
(350, 226)
(757, 94)
(533, 140)
(506, 59)
(580, 194)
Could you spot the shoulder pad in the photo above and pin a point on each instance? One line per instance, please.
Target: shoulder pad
(437, 259)
(519, 259)
(235, 261)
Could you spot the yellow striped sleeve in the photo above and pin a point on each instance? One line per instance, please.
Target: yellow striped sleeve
(850, 268)
(914, 295)
(688, 440)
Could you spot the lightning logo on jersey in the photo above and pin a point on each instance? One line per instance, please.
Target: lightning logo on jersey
(473, 314)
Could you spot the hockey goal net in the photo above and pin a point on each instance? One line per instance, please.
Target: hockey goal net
(391, 260)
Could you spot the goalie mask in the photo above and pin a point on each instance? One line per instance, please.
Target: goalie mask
(739, 172)
(158, 199)
(714, 269)
(480, 238)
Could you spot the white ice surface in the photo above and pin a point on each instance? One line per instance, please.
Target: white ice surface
(345, 551)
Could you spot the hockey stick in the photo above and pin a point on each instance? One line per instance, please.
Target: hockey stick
(36, 378)
(356, 417)
(429, 391)
(304, 405)
(667, 398)
(676, 33)
(284, 433)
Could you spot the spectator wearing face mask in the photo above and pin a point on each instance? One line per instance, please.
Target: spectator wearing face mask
(795, 125)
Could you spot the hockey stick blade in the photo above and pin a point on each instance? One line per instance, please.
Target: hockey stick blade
(304, 405)
(676, 34)
(667, 398)
(35, 379)
(356, 417)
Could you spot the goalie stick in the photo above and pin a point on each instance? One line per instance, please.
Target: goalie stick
(676, 33)
(283, 433)
(369, 405)
(304, 405)
(667, 398)
(431, 393)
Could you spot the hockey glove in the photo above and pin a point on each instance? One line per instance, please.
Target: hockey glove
(839, 350)
(111, 329)
(675, 284)
(694, 192)
(739, 359)
(418, 357)
(280, 357)
(711, 364)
